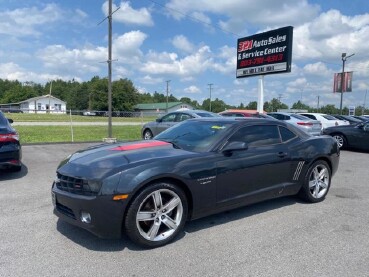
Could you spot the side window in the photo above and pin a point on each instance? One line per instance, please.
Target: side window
(169, 118)
(286, 134)
(183, 117)
(257, 135)
(310, 116)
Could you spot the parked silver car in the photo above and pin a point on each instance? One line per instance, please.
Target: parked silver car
(151, 129)
(312, 127)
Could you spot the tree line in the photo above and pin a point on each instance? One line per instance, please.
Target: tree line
(93, 95)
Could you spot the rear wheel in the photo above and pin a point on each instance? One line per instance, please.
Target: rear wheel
(341, 140)
(156, 215)
(317, 182)
(147, 134)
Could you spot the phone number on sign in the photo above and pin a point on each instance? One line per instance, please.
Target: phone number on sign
(262, 60)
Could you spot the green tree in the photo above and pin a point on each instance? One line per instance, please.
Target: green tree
(300, 106)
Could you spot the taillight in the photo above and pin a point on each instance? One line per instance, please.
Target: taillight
(11, 137)
(308, 124)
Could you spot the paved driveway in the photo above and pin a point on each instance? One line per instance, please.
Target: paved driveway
(283, 237)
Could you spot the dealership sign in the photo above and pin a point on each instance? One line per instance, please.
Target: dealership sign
(265, 53)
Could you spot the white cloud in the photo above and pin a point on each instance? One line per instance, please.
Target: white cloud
(168, 63)
(126, 14)
(319, 69)
(192, 90)
(239, 13)
(24, 22)
(126, 48)
(147, 79)
(182, 43)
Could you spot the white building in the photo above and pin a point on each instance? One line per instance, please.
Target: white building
(43, 104)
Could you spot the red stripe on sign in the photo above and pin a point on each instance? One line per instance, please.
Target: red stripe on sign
(140, 145)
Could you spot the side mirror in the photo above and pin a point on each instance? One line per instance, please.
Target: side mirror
(158, 120)
(234, 146)
(10, 120)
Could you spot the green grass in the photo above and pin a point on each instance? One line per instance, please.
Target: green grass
(28, 117)
(47, 134)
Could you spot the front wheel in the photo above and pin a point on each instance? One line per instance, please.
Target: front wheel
(147, 134)
(156, 215)
(317, 182)
(341, 140)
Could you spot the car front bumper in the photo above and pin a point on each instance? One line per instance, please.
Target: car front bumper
(106, 214)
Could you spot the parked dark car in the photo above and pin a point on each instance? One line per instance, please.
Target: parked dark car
(10, 147)
(148, 189)
(151, 129)
(351, 136)
(361, 117)
(350, 119)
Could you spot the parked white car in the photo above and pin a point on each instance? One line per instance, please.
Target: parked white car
(326, 119)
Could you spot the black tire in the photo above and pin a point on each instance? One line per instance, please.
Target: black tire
(317, 182)
(147, 134)
(163, 209)
(341, 140)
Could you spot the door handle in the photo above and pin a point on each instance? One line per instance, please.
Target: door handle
(282, 154)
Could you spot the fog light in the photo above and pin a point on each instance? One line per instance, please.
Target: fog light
(85, 217)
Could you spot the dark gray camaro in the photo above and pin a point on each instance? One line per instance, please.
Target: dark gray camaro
(148, 189)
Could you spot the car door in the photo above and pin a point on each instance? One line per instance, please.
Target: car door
(165, 122)
(360, 137)
(260, 171)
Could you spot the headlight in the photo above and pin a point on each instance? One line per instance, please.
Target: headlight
(110, 184)
(92, 185)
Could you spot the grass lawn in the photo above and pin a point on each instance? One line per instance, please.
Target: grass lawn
(28, 117)
(45, 134)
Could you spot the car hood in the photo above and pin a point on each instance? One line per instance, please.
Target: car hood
(96, 161)
(340, 127)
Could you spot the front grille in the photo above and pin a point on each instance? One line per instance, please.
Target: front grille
(73, 185)
(65, 210)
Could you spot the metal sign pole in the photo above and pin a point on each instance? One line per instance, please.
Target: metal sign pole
(260, 105)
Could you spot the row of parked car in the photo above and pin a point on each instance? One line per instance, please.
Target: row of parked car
(349, 131)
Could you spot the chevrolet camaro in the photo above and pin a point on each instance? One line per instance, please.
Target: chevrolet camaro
(148, 189)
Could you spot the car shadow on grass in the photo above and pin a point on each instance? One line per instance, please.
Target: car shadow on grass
(9, 174)
(94, 243)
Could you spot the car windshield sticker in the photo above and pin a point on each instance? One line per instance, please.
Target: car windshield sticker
(217, 127)
(140, 145)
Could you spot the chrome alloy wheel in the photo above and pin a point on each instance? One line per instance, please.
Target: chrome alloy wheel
(319, 181)
(159, 215)
(340, 140)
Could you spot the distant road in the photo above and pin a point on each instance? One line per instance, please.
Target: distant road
(54, 123)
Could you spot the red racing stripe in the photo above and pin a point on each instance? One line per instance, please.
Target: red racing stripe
(140, 145)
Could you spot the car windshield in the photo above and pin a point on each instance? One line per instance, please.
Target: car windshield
(194, 135)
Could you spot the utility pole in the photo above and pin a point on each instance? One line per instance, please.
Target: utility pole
(51, 87)
(109, 61)
(363, 111)
(318, 103)
(344, 58)
(166, 109)
(110, 133)
(210, 85)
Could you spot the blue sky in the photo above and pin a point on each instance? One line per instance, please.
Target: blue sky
(191, 43)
